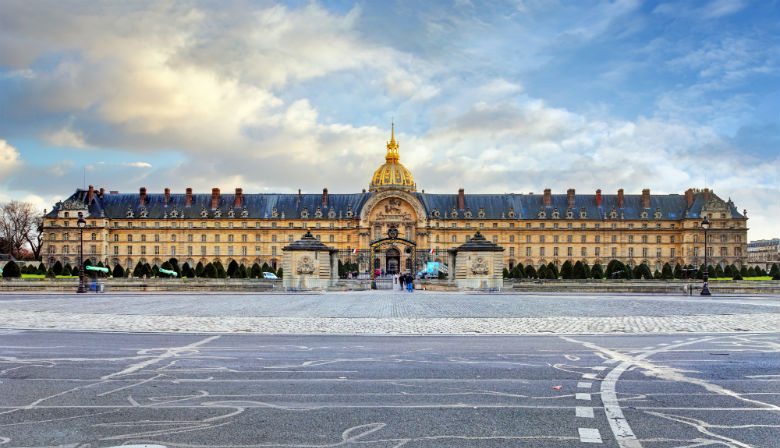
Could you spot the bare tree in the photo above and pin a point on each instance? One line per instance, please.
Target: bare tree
(17, 222)
(35, 236)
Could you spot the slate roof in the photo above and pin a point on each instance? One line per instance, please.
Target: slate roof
(495, 206)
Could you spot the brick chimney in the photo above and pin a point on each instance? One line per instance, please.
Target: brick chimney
(706, 192)
(239, 197)
(689, 197)
(547, 197)
(188, 197)
(621, 201)
(214, 198)
(90, 194)
(299, 195)
(142, 196)
(646, 198)
(167, 196)
(324, 197)
(598, 198)
(461, 199)
(570, 197)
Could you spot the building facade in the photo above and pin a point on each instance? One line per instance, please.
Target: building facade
(394, 227)
(763, 253)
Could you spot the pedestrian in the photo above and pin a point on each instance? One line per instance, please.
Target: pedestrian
(410, 282)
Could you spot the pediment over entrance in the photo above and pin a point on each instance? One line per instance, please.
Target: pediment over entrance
(393, 207)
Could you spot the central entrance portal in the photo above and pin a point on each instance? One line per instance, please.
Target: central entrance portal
(393, 261)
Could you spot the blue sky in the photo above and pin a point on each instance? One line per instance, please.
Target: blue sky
(490, 96)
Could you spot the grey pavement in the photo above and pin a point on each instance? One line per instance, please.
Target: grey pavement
(391, 313)
(108, 389)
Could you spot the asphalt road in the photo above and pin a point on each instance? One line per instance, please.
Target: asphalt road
(188, 390)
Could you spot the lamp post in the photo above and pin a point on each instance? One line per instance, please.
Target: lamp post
(705, 290)
(81, 223)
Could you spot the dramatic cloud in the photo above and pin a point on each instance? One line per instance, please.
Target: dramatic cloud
(268, 97)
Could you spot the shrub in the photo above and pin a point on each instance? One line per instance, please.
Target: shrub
(199, 269)
(138, 271)
(166, 265)
(119, 271)
(50, 273)
(566, 270)
(736, 276)
(11, 270)
(596, 272)
(743, 271)
(542, 271)
(505, 273)
(530, 272)
(41, 269)
(718, 271)
(678, 272)
(751, 272)
(57, 268)
(552, 271)
(642, 272)
(67, 270)
(774, 271)
(578, 271)
(242, 272)
(209, 271)
(666, 272)
(657, 275)
(266, 268)
(232, 269)
(256, 272)
(220, 270)
(280, 273)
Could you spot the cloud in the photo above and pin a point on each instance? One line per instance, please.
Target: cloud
(137, 164)
(66, 137)
(10, 160)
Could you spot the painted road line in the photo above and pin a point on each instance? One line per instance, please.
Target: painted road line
(584, 385)
(583, 411)
(589, 435)
(582, 396)
(588, 376)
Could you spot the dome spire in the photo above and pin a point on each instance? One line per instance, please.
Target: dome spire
(392, 146)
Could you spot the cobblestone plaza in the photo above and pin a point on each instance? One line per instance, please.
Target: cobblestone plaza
(392, 313)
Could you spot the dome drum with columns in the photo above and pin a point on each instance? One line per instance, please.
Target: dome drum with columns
(129, 228)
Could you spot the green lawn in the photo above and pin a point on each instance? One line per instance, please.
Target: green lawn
(43, 276)
(763, 277)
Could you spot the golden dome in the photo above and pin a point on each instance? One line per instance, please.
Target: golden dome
(392, 175)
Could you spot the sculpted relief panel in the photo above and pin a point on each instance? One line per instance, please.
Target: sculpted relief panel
(393, 211)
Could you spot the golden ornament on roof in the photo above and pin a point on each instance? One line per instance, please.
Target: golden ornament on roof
(392, 175)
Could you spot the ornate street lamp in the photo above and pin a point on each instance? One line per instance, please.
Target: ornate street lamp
(705, 290)
(81, 223)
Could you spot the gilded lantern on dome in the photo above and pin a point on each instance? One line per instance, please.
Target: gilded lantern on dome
(392, 174)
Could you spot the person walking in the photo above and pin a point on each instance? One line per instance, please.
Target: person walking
(410, 282)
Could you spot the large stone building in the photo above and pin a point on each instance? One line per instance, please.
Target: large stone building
(393, 226)
(763, 253)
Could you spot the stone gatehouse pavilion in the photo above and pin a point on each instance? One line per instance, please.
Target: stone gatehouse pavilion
(535, 229)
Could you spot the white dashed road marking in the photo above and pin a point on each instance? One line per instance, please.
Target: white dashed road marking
(582, 397)
(589, 376)
(583, 411)
(589, 435)
(584, 385)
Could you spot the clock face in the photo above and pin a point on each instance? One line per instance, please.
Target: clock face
(392, 233)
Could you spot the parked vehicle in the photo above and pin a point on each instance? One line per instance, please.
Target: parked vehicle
(270, 276)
